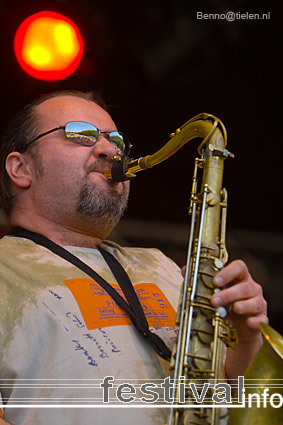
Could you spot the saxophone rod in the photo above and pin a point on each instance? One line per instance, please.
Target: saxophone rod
(202, 126)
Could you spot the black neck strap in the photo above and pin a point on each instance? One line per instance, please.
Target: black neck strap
(132, 307)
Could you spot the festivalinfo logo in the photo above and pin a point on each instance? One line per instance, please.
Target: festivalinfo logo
(110, 392)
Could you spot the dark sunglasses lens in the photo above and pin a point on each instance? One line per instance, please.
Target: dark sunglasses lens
(81, 133)
(86, 134)
(117, 140)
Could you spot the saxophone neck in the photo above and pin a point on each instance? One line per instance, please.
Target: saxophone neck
(205, 126)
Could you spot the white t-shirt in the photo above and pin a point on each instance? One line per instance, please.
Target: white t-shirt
(61, 335)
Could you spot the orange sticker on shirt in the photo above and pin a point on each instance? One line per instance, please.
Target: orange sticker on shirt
(100, 310)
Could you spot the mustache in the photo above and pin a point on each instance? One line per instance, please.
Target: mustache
(100, 166)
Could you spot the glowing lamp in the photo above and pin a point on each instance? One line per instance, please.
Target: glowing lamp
(48, 46)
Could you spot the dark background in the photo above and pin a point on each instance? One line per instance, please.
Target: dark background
(157, 65)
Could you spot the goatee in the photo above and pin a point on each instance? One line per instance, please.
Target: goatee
(104, 207)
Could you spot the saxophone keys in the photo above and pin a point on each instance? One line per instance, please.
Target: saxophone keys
(222, 312)
(218, 263)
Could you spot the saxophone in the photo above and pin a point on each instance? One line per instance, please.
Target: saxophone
(204, 332)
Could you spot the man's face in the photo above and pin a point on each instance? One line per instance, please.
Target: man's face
(71, 189)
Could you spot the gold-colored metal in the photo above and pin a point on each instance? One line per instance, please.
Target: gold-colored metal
(202, 125)
(204, 332)
(200, 324)
(198, 356)
(264, 374)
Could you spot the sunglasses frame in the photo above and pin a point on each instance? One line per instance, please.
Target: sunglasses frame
(128, 145)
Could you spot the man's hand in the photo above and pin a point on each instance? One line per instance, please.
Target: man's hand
(248, 310)
(248, 307)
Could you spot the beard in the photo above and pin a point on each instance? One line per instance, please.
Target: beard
(104, 207)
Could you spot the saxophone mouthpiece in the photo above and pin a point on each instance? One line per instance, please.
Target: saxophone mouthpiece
(118, 171)
(108, 173)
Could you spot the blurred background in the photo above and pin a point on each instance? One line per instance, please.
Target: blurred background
(157, 65)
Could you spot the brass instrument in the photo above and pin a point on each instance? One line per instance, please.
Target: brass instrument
(203, 126)
(264, 373)
(204, 332)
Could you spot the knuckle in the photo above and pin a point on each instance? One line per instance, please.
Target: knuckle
(241, 265)
(264, 304)
(257, 287)
(266, 320)
(245, 289)
(238, 308)
(259, 306)
(253, 322)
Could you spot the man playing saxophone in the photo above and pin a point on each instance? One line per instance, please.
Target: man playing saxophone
(53, 160)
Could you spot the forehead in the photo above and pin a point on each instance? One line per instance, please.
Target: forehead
(62, 109)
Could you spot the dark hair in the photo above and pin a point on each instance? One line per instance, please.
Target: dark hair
(22, 129)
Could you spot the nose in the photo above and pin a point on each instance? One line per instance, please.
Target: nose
(104, 149)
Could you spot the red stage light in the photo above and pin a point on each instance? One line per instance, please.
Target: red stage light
(48, 46)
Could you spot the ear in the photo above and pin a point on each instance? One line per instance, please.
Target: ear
(18, 169)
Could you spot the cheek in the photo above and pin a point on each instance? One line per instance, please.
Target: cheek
(61, 176)
(60, 159)
(63, 163)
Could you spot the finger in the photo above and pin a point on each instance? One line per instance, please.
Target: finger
(253, 306)
(235, 271)
(237, 292)
(183, 271)
(254, 321)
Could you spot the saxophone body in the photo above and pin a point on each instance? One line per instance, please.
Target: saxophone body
(204, 332)
(200, 325)
(199, 353)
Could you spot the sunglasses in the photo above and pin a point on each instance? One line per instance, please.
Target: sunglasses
(86, 134)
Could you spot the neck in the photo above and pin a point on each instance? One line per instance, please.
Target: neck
(58, 233)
